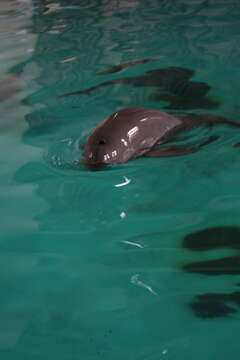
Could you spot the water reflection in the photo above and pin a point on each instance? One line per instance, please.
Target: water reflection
(15, 42)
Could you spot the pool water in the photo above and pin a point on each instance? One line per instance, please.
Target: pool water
(146, 270)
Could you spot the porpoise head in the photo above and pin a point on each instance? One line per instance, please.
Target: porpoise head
(124, 135)
(106, 146)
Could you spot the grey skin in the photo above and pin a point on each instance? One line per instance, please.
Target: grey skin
(137, 131)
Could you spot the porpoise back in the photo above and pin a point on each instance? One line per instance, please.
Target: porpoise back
(127, 134)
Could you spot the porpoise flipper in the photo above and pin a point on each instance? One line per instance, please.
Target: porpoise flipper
(168, 151)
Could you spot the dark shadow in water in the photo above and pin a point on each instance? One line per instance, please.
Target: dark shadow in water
(213, 305)
(213, 238)
(224, 266)
(210, 239)
(173, 86)
(186, 102)
(237, 145)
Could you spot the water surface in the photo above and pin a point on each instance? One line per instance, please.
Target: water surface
(90, 269)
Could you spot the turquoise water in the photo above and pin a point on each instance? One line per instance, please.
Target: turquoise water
(93, 270)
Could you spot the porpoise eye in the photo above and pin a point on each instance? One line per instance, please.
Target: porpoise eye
(101, 142)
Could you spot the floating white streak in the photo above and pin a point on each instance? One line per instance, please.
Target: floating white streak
(73, 58)
(135, 280)
(69, 141)
(127, 181)
(122, 215)
(133, 244)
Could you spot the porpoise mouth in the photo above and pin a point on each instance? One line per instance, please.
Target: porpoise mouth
(93, 166)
